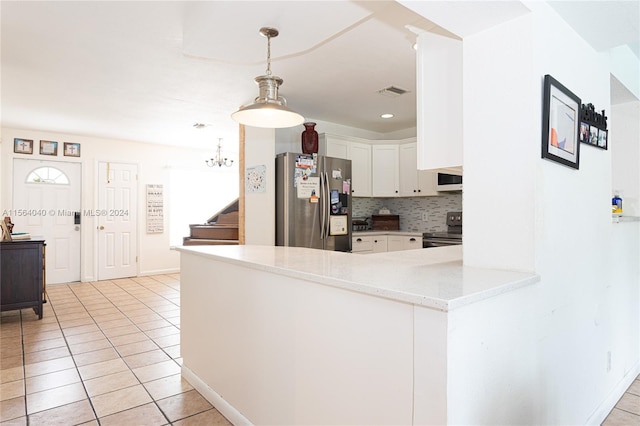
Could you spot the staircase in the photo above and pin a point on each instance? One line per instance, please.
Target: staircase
(221, 228)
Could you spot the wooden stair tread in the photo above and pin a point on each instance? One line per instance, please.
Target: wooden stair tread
(221, 228)
(206, 241)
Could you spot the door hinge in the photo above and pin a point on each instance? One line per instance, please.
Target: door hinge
(136, 259)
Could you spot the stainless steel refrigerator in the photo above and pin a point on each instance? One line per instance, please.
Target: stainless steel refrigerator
(313, 202)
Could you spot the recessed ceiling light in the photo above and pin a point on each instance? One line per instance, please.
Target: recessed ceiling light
(386, 116)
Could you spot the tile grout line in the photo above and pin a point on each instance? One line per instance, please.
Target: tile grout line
(64, 336)
(120, 355)
(76, 299)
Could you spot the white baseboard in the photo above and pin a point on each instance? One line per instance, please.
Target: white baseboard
(226, 409)
(607, 405)
(159, 272)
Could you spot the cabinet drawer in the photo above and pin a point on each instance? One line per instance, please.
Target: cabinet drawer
(411, 243)
(361, 244)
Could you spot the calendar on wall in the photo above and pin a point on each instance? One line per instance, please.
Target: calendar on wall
(155, 209)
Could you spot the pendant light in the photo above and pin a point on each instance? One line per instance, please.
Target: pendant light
(268, 110)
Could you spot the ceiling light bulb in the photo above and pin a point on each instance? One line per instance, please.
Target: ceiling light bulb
(386, 115)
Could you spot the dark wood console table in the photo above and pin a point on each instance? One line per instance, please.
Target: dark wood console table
(22, 276)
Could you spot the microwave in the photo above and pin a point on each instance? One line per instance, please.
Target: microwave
(449, 182)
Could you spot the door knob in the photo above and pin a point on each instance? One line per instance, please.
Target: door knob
(101, 227)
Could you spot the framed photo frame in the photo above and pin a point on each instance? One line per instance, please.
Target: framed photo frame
(585, 133)
(48, 148)
(603, 139)
(71, 149)
(560, 124)
(23, 146)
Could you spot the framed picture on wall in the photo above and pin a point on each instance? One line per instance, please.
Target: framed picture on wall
(71, 149)
(560, 124)
(23, 146)
(603, 136)
(585, 134)
(48, 148)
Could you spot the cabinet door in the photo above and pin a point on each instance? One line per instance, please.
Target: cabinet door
(408, 170)
(333, 146)
(360, 156)
(385, 171)
(395, 242)
(439, 101)
(427, 182)
(380, 244)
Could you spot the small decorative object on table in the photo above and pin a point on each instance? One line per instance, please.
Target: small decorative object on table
(309, 139)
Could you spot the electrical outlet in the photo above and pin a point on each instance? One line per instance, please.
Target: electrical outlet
(608, 361)
(425, 216)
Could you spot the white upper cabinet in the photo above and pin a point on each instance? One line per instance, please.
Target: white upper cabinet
(408, 170)
(360, 156)
(381, 168)
(333, 146)
(439, 97)
(414, 182)
(351, 149)
(385, 170)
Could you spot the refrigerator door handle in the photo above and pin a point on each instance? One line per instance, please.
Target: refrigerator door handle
(322, 210)
(327, 194)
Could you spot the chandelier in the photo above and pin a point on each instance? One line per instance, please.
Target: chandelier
(268, 110)
(218, 160)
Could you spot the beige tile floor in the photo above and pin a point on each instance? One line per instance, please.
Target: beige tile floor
(105, 353)
(627, 410)
(108, 353)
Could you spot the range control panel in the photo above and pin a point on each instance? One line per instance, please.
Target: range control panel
(454, 222)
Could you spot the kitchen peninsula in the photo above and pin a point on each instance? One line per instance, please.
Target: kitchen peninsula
(285, 335)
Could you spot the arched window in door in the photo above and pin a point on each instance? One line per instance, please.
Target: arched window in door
(49, 175)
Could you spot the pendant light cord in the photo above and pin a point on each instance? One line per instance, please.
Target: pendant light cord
(268, 55)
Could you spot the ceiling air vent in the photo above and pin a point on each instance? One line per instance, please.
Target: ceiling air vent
(392, 91)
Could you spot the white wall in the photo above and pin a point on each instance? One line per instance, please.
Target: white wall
(501, 146)
(153, 160)
(260, 207)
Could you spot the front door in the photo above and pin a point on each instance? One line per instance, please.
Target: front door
(116, 220)
(46, 203)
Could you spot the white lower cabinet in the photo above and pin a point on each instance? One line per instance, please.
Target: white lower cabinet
(362, 244)
(381, 243)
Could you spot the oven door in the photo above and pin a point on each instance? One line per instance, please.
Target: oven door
(439, 242)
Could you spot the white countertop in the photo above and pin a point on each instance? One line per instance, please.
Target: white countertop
(434, 277)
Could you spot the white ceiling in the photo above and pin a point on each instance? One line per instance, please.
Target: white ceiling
(149, 70)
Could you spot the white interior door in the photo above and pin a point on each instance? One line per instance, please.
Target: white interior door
(116, 220)
(46, 198)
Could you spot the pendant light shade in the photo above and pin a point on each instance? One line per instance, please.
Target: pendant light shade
(268, 109)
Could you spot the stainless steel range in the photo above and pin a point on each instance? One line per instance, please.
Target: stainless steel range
(453, 236)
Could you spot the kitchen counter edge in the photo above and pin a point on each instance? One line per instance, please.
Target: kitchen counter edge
(433, 278)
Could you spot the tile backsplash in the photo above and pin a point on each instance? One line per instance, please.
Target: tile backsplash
(410, 210)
